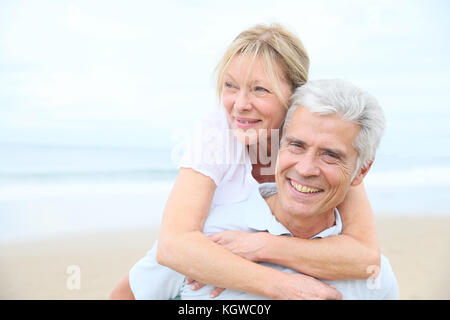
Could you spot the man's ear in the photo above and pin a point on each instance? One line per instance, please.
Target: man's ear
(361, 174)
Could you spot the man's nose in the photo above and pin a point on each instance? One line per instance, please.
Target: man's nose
(307, 165)
(242, 102)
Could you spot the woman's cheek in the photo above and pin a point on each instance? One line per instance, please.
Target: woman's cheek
(227, 100)
(278, 115)
(279, 120)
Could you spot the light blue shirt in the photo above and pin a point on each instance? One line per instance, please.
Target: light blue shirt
(149, 280)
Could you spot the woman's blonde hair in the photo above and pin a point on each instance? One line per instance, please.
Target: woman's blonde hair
(277, 47)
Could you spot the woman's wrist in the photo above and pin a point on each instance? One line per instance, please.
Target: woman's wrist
(273, 285)
(265, 251)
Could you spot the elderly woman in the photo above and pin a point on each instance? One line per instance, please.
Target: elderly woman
(255, 79)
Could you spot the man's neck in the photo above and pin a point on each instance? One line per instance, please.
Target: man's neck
(301, 227)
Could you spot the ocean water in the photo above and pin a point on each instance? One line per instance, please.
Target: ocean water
(51, 191)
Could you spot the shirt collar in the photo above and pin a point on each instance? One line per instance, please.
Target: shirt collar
(260, 218)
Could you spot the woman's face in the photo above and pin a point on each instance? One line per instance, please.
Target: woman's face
(250, 101)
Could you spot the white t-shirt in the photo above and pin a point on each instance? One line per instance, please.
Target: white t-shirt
(216, 153)
(213, 151)
(149, 280)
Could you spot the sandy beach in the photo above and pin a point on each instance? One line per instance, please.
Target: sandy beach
(418, 249)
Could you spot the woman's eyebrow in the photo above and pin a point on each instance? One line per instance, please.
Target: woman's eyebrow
(258, 82)
(226, 74)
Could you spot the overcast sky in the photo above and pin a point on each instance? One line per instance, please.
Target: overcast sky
(136, 72)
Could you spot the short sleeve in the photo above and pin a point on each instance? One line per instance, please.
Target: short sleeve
(388, 280)
(151, 281)
(206, 150)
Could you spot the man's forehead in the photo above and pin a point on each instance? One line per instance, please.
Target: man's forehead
(302, 112)
(329, 130)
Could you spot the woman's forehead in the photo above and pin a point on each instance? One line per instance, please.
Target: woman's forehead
(253, 68)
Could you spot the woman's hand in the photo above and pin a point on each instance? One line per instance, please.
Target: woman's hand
(195, 285)
(243, 243)
(297, 286)
(292, 286)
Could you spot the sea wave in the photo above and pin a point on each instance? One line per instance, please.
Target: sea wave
(418, 176)
(24, 191)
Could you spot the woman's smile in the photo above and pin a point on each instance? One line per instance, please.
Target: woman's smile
(246, 123)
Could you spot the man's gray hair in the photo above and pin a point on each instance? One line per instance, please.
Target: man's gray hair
(336, 96)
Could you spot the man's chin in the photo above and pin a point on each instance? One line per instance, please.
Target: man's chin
(301, 211)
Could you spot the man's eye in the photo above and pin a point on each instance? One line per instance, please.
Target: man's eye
(331, 157)
(296, 146)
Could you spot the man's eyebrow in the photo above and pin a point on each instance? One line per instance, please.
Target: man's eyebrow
(292, 139)
(336, 152)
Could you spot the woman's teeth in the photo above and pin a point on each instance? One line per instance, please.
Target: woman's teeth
(303, 189)
(247, 122)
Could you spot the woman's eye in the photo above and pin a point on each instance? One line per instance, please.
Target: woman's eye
(261, 89)
(228, 85)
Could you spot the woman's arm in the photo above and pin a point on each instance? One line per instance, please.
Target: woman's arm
(346, 256)
(184, 248)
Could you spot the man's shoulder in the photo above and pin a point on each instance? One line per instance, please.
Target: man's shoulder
(388, 281)
(380, 284)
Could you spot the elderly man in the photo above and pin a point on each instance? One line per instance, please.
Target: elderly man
(329, 141)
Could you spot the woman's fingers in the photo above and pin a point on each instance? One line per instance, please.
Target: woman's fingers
(197, 285)
(335, 294)
(215, 236)
(216, 292)
(189, 280)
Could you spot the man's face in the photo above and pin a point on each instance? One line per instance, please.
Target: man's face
(315, 163)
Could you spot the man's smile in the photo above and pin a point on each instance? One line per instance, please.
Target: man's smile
(303, 189)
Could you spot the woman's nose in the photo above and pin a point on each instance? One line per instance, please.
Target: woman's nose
(242, 102)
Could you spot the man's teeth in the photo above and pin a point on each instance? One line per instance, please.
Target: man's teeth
(303, 189)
